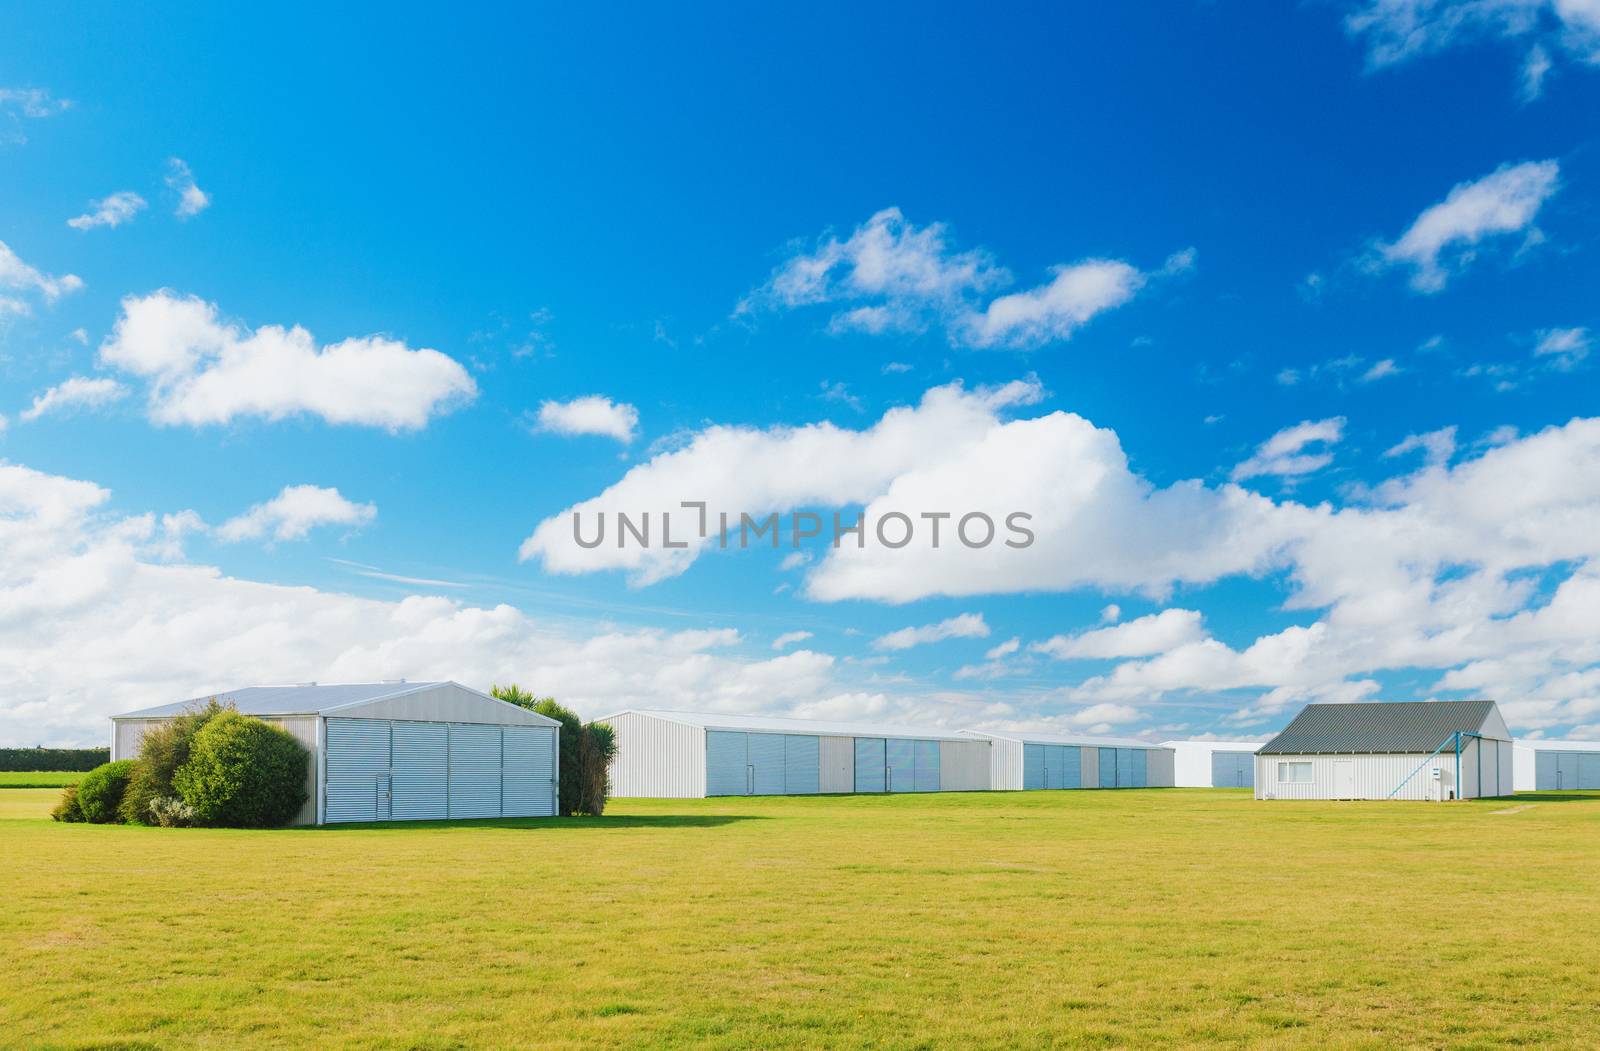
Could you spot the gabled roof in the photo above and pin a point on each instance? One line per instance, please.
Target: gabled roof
(303, 699)
(1031, 737)
(1377, 727)
(780, 724)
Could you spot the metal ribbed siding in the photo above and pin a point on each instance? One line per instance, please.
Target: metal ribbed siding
(802, 765)
(1034, 775)
(658, 759)
(420, 766)
(766, 764)
(1108, 768)
(357, 770)
(927, 769)
(838, 764)
(901, 758)
(1137, 766)
(1376, 776)
(1566, 771)
(871, 764)
(965, 766)
(1232, 770)
(727, 764)
(474, 771)
(527, 781)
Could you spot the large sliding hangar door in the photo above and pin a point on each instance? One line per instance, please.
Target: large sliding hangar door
(1566, 771)
(383, 770)
(769, 764)
(1233, 769)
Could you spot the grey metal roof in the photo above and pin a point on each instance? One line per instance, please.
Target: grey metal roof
(780, 724)
(1378, 727)
(1032, 737)
(303, 699)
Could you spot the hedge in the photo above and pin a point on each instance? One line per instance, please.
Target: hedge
(37, 760)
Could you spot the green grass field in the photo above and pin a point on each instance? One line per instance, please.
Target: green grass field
(1129, 918)
(46, 779)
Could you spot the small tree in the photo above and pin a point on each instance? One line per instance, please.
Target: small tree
(596, 749)
(151, 795)
(243, 773)
(100, 792)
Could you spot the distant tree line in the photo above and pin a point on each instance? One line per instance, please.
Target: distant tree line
(36, 760)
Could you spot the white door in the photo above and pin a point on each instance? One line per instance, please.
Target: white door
(1344, 779)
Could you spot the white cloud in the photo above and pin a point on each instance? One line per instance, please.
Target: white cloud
(789, 638)
(1445, 237)
(78, 392)
(965, 626)
(890, 275)
(794, 560)
(191, 199)
(592, 414)
(1111, 613)
(1565, 347)
(16, 274)
(1140, 637)
(202, 370)
(1381, 370)
(20, 104)
(1005, 649)
(114, 210)
(95, 622)
(1437, 446)
(1397, 31)
(1283, 455)
(294, 512)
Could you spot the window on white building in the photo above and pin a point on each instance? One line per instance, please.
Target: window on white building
(1294, 773)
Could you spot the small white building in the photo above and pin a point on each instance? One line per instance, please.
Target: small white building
(1214, 764)
(394, 751)
(1557, 766)
(688, 755)
(1024, 761)
(1436, 750)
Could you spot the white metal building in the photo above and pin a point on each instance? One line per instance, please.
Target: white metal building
(395, 751)
(1435, 750)
(667, 754)
(1023, 760)
(1214, 764)
(1555, 766)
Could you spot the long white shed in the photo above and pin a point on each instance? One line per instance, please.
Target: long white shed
(1026, 760)
(394, 751)
(1214, 764)
(1556, 766)
(679, 755)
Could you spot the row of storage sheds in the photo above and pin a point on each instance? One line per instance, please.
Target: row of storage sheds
(1434, 750)
(1028, 761)
(394, 751)
(1557, 766)
(1214, 764)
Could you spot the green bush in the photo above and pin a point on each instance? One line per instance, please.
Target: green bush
(242, 773)
(162, 752)
(101, 790)
(596, 749)
(585, 753)
(68, 809)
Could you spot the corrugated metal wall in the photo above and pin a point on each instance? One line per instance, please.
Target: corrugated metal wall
(965, 766)
(1161, 768)
(419, 766)
(303, 728)
(1089, 766)
(901, 758)
(658, 759)
(838, 761)
(1566, 771)
(871, 764)
(802, 765)
(1376, 776)
(528, 787)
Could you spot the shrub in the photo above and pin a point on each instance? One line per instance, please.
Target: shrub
(171, 812)
(596, 749)
(68, 809)
(163, 750)
(242, 773)
(101, 790)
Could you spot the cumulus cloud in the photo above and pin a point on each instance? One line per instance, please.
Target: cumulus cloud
(191, 199)
(790, 638)
(965, 626)
(890, 275)
(592, 414)
(202, 370)
(1397, 31)
(113, 210)
(15, 274)
(1284, 455)
(95, 621)
(1437, 446)
(1140, 637)
(294, 512)
(78, 392)
(1445, 238)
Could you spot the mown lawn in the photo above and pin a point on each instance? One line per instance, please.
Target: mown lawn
(1130, 918)
(45, 779)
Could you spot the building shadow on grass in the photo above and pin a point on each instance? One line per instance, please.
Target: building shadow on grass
(553, 824)
(1549, 797)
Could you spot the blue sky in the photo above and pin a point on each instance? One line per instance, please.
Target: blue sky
(1341, 225)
